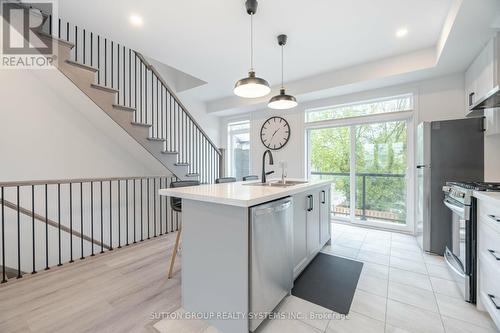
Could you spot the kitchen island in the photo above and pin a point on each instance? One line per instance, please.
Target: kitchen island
(219, 245)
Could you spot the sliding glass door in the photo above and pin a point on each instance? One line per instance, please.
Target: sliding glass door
(368, 162)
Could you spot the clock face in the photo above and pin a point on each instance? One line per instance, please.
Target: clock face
(275, 133)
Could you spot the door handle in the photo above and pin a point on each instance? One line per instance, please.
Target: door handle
(492, 299)
(494, 218)
(324, 197)
(311, 203)
(493, 254)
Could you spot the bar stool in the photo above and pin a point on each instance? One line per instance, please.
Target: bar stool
(225, 180)
(176, 205)
(251, 177)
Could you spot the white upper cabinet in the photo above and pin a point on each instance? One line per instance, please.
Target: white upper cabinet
(482, 76)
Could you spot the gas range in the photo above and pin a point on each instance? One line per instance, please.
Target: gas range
(463, 191)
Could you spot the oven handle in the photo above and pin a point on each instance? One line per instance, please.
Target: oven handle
(457, 209)
(448, 254)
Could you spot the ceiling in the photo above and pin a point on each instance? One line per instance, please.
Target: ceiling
(210, 39)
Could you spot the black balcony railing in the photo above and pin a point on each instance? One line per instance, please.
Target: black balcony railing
(377, 208)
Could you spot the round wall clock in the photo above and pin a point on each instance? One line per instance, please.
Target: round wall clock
(275, 133)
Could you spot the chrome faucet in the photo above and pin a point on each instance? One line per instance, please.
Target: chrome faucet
(271, 162)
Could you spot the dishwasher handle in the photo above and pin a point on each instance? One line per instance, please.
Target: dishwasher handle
(273, 209)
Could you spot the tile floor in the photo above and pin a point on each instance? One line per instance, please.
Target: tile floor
(400, 290)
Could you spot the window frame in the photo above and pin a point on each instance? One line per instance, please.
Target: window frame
(230, 135)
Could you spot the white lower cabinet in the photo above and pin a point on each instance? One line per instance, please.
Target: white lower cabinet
(488, 249)
(311, 226)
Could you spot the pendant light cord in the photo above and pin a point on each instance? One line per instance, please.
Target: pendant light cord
(251, 42)
(282, 87)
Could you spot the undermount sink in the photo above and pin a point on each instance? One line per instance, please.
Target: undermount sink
(278, 183)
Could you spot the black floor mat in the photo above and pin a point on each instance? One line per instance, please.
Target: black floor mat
(329, 281)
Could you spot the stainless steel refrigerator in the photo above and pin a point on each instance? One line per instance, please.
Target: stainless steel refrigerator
(451, 150)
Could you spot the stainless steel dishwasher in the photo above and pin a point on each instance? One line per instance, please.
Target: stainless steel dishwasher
(271, 264)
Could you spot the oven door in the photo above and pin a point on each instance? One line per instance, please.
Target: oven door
(457, 257)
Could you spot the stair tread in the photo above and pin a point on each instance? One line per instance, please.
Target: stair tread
(78, 64)
(105, 88)
(140, 124)
(156, 139)
(193, 175)
(182, 164)
(169, 152)
(124, 108)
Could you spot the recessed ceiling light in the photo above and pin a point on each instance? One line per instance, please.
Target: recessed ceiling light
(401, 32)
(136, 20)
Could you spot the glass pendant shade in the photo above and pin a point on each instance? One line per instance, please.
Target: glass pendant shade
(251, 87)
(282, 101)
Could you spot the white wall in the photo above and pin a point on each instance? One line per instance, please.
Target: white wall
(50, 130)
(440, 98)
(492, 158)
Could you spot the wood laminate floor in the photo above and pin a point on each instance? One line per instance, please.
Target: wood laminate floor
(114, 292)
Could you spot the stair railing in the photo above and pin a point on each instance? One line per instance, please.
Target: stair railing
(53, 222)
(141, 88)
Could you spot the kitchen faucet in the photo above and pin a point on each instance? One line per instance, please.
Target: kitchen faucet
(271, 162)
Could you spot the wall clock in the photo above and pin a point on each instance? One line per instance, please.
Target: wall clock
(275, 133)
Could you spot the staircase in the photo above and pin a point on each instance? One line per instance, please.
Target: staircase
(131, 92)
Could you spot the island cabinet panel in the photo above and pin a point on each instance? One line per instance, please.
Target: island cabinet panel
(313, 228)
(324, 215)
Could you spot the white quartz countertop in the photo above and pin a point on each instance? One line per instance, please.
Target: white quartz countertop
(493, 197)
(238, 194)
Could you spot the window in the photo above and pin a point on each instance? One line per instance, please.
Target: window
(238, 149)
(385, 105)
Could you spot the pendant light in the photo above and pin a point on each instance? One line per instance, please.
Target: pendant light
(282, 101)
(251, 86)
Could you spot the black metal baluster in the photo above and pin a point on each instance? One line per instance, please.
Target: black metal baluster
(76, 43)
(142, 226)
(112, 63)
(140, 90)
(92, 218)
(70, 222)
(46, 229)
(59, 222)
(161, 212)
(154, 207)
(135, 213)
(157, 110)
(110, 216)
(146, 93)
(130, 77)
(91, 49)
(119, 216)
(84, 42)
(19, 275)
(98, 59)
(33, 227)
(81, 222)
(105, 61)
(126, 207)
(4, 275)
(147, 201)
(124, 89)
(118, 70)
(102, 223)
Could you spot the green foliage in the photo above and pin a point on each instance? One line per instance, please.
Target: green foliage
(381, 151)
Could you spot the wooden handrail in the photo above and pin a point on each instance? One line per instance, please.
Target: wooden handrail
(74, 181)
(52, 223)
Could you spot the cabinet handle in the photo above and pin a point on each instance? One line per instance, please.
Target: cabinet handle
(471, 98)
(492, 298)
(311, 203)
(493, 254)
(324, 197)
(494, 218)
